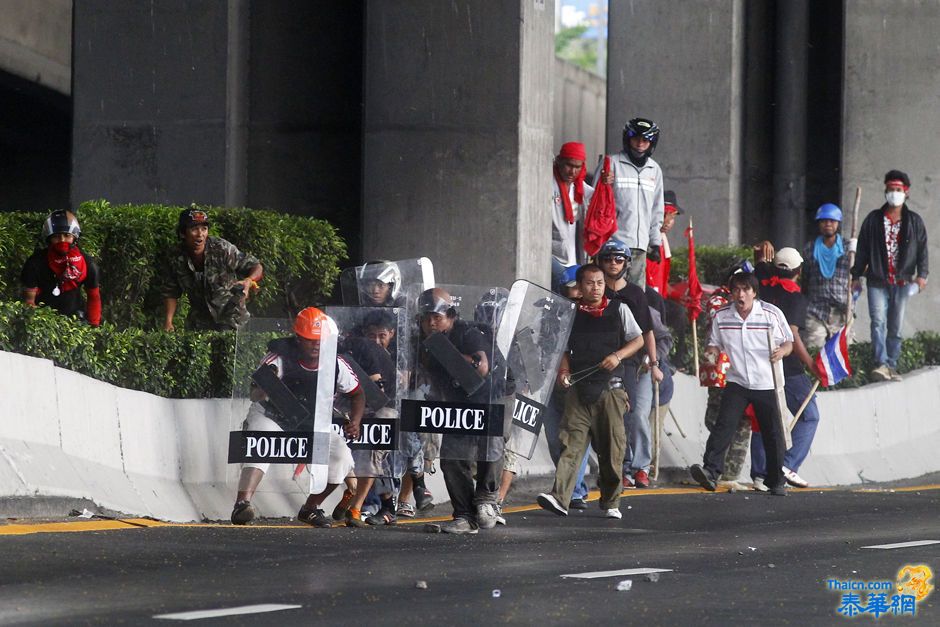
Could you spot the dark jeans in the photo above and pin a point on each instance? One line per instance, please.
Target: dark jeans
(459, 479)
(733, 401)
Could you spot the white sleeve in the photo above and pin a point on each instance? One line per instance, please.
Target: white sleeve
(630, 328)
(782, 331)
(275, 360)
(346, 380)
(658, 213)
(714, 335)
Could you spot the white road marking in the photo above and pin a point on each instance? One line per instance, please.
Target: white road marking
(617, 573)
(229, 611)
(902, 545)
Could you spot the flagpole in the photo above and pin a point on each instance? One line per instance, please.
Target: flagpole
(676, 420)
(694, 325)
(849, 318)
(806, 401)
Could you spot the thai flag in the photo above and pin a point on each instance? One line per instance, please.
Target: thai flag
(832, 363)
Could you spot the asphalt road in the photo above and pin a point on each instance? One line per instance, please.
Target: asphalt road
(742, 558)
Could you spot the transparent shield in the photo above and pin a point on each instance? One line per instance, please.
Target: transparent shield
(534, 333)
(281, 407)
(455, 405)
(369, 341)
(383, 283)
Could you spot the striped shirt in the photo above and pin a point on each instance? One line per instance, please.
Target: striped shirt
(744, 340)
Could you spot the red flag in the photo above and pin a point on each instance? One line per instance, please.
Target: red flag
(694, 303)
(601, 219)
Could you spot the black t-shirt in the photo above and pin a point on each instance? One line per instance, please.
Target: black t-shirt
(634, 297)
(37, 274)
(373, 359)
(793, 306)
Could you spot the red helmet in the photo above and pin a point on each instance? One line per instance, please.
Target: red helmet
(309, 323)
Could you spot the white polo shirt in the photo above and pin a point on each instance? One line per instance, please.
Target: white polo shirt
(745, 342)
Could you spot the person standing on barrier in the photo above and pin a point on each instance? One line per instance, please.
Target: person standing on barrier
(53, 275)
(826, 278)
(212, 272)
(295, 360)
(570, 198)
(604, 334)
(740, 330)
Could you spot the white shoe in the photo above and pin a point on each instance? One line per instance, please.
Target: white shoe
(486, 515)
(551, 504)
(613, 513)
(794, 479)
(759, 485)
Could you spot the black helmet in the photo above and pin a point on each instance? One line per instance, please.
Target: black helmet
(645, 128)
(192, 217)
(739, 266)
(61, 221)
(490, 309)
(436, 300)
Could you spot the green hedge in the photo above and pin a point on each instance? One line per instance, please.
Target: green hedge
(710, 261)
(300, 255)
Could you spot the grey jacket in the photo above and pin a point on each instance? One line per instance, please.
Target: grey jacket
(638, 195)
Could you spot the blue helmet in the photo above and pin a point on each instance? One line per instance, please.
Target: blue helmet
(829, 211)
(570, 277)
(613, 247)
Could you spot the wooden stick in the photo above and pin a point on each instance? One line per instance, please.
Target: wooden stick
(657, 429)
(806, 401)
(849, 318)
(676, 420)
(782, 410)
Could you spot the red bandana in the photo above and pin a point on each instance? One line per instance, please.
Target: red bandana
(572, 150)
(594, 311)
(788, 284)
(69, 269)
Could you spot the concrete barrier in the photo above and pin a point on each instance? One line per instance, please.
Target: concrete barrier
(66, 435)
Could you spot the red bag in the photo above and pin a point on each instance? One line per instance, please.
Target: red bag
(601, 219)
(712, 375)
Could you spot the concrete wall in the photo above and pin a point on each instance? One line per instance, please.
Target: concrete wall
(891, 98)
(680, 63)
(36, 42)
(580, 109)
(140, 454)
(457, 136)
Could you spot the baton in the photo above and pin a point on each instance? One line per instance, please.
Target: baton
(676, 420)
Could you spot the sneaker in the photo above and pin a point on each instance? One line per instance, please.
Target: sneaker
(243, 513)
(551, 504)
(383, 517)
(628, 481)
(759, 485)
(486, 515)
(894, 375)
(354, 519)
(779, 490)
(424, 501)
(405, 510)
(641, 478)
(881, 373)
(459, 526)
(314, 517)
(500, 519)
(794, 479)
(703, 477)
(577, 504)
(613, 513)
(339, 512)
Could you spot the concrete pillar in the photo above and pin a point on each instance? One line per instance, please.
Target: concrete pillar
(890, 102)
(681, 64)
(457, 136)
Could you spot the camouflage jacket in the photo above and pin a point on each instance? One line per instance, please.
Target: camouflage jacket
(212, 304)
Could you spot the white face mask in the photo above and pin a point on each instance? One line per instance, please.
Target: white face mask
(895, 199)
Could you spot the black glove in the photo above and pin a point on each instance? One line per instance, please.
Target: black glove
(653, 254)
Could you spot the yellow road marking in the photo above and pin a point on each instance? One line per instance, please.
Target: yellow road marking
(17, 529)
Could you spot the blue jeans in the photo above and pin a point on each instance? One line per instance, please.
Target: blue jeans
(639, 453)
(797, 387)
(552, 425)
(886, 306)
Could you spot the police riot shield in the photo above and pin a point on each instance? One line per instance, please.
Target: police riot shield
(458, 388)
(282, 404)
(383, 283)
(533, 333)
(369, 344)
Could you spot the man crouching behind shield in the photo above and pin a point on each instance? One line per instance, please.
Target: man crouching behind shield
(287, 402)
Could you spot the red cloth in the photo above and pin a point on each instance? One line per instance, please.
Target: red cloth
(788, 284)
(657, 272)
(572, 150)
(595, 311)
(601, 220)
(69, 269)
(694, 302)
(93, 307)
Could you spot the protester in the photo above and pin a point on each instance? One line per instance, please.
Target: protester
(604, 334)
(640, 370)
(892, 256)
(212, 272)
(638, 195)
(782, 290)
(53, 275)
(826, 278)
(740, 330)
(570, 198)
(295, 360)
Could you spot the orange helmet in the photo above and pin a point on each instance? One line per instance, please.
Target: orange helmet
(310, 323)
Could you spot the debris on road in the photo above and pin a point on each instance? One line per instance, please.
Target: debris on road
(421, 584)
(625, 586)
